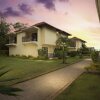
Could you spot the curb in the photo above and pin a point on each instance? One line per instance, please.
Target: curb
(48, 72)
(52, 97)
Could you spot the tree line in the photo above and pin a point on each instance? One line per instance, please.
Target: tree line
(6, 28)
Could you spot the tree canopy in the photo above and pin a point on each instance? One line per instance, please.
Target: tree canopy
(4, 29)
(63, 43)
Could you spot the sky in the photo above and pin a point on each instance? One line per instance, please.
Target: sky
(78, 17)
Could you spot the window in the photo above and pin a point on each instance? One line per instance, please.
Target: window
(34, 36)
(12, 39)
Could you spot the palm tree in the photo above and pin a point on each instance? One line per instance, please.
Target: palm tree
(63, 43)
(98, 7)
(5, 89)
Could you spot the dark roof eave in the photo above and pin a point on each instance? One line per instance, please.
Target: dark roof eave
(44, 24)
(79, 39)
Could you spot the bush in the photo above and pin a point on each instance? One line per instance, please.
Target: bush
(43, 53)
(4, 52)
(94, 67)
(23, 56)
(95, 56)
(58, 53)
(72, 53)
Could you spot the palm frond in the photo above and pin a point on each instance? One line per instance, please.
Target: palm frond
(7, 90)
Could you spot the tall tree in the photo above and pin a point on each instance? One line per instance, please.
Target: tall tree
(63, 43)
(4, 29)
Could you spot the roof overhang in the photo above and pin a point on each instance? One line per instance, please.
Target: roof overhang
(75, 38)
(41, 24)
(27, 30)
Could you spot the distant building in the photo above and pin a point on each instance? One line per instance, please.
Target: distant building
(76, 43)
(91, 48)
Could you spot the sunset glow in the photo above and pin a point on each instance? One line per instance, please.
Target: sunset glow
(78, 17)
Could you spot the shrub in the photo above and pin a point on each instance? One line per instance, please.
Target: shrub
(95, 56)
(43, 53)
(73, 53)
(58, 53)
(30, 57)
(4, 52)
(23, 56)
(94, 67)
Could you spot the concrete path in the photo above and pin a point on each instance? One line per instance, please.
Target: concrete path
(47, 86)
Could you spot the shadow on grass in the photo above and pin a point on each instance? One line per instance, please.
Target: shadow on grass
(7, 90)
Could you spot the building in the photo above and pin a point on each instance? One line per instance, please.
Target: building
(76, 43)
(29, 40)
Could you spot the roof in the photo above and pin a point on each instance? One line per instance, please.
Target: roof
(75, 38)
(41, 24)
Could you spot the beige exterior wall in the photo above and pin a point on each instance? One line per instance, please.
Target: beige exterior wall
(78, 44)
(48, 39)
(27, 49)
(50, 48)
(49, 36)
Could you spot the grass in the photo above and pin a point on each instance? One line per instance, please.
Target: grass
(86, 87)
(17, 69)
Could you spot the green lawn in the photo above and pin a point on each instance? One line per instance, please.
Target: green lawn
(86, 87)
(18, 69)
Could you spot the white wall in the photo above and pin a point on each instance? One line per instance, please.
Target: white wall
(23, 49)
(50, 36)
(78, 44)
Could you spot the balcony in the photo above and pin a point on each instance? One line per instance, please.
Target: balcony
(12, 41)
(29, 40)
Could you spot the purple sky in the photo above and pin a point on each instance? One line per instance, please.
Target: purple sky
(79, 17)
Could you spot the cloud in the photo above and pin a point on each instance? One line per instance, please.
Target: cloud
(49, 4)
(64, 0)
(11, 12)
(26, 9)
(23, 9)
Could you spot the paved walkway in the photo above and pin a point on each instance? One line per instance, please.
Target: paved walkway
(46, 86)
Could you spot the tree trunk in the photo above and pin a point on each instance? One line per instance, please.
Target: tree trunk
(63, 55)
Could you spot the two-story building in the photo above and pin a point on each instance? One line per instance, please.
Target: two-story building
(28, 41)
(76, 43)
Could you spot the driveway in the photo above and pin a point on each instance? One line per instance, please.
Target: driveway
(47, 86)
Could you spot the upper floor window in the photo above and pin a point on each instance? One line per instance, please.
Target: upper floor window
(34, 36)
(29, 37)
(12, 39)
(72, 43)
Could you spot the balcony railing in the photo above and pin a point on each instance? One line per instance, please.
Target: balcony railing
(28, 39)
(12, 41)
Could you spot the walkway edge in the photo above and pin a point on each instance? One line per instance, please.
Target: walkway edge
(48, 72)
(65, 87)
